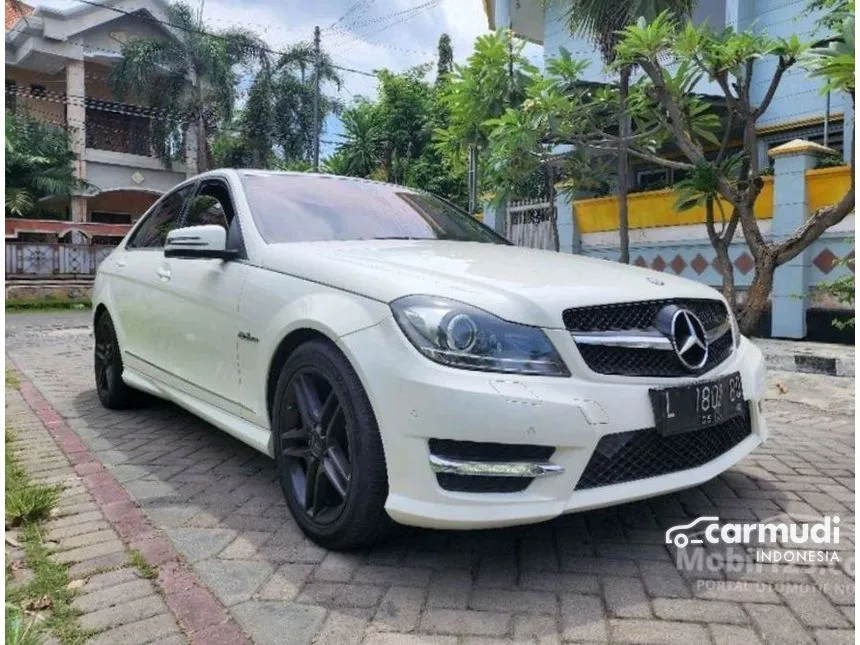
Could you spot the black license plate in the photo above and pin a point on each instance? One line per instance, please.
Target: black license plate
(692, 407)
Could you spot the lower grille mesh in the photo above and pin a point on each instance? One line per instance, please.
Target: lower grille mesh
(639, 454)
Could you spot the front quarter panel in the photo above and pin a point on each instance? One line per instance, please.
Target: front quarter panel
(273, 306)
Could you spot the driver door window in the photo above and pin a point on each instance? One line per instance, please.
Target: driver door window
(212, 205)
(153, 230)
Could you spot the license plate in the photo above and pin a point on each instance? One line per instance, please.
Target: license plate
(692, 407)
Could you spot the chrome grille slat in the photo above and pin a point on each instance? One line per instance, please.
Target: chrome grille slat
(621, 339)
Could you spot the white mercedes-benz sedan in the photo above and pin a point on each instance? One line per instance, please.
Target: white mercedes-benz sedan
(401, 361)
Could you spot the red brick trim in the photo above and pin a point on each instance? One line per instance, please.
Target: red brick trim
(197, 611)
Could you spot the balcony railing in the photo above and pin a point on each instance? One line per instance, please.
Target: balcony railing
(118, 132)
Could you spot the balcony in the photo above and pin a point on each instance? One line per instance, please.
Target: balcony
(118, 132)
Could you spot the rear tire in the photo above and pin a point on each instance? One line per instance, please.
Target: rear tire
(328, 450)
(113, 393)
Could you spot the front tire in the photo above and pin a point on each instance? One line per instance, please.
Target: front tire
(328, 449)
(113, 393)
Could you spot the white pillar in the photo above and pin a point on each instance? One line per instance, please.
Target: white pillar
(76, 120)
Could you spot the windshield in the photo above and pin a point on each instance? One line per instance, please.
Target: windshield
(295, 208)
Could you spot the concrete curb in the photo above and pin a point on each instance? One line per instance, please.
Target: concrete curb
(810, 358)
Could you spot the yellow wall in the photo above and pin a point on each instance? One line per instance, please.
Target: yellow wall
(826, 186)
(654, 208)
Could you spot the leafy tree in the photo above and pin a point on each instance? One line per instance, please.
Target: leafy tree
(360, 154)
(602, 22)
(189, 80)
(665, 109)
(445, 59)
(38, 164)
(493, 80)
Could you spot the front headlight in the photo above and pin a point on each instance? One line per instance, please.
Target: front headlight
(459, 335)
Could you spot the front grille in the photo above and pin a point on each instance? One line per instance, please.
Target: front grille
(639, 454)
(490, 452)
(627, 361)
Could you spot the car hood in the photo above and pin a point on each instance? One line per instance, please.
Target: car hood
(522, 285)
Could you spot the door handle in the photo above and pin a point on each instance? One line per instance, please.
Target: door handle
(163, 273)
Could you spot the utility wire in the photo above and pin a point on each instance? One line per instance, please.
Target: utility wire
(200, 32)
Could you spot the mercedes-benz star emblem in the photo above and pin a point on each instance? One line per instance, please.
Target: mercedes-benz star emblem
(687, 334)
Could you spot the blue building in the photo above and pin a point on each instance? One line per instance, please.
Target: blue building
(793, 132)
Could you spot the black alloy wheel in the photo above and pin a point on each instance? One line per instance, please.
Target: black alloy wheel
(328, 449)
(316, 447)
(113, 393)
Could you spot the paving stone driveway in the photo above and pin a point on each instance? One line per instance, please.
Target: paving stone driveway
(602, 576)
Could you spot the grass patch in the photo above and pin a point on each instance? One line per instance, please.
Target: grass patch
(25, 501)
(45, 601)
(146, 570)
(20, 630)
(12, 380)
(30, 503)
(46, 304)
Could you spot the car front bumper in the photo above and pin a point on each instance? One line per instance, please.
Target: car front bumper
(416, 400)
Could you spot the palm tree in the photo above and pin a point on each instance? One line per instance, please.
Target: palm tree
(279, 111)
(38, 165)
(363, 139)
(601, 21)
(189, 80)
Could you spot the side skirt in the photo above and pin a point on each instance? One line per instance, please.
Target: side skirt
(243, 430)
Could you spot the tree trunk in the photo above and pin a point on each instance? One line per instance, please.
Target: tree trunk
(727, 272)
(624, 127)
(758, 294)
(202, 157)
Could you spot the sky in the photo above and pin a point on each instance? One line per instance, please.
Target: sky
(360, 34)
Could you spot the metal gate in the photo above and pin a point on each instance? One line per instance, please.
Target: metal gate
(532, 223)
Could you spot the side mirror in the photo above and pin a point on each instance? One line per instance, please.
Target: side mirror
(208, 241)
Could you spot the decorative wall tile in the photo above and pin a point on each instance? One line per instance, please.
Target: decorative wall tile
(744, 263)
(825, 261)
(678, 264)
(658, 264)
(640, 262)
(699, 264)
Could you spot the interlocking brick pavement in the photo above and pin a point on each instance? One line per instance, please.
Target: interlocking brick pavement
(602, 576)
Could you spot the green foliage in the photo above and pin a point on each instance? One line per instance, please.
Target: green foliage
(830, 161)
(830, 12)
(20, 630)
(702, 183)
(444, 59)
(145, 569)
(602, 22)
(189, 79)
(843, 290)
(493, 79)
(38, 164)
(391, 138)
(362, 150)
(833, 60)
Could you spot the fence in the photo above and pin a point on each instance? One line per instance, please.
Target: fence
(531, 223)
(43, 260)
